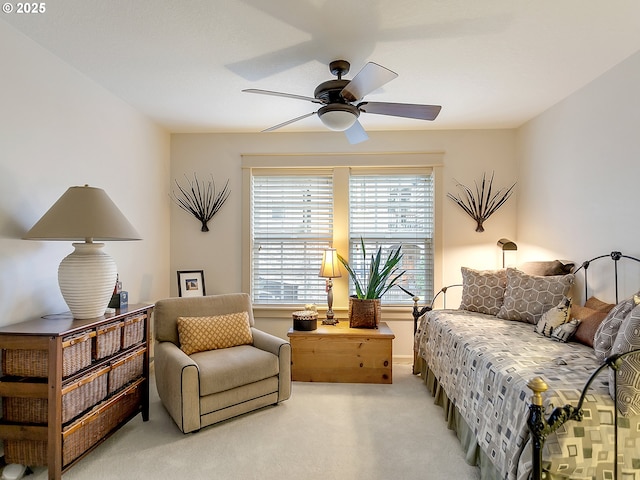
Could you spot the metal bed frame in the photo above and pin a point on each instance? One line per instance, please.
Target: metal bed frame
(539, 425)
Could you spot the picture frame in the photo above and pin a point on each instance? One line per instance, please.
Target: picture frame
(191, 283)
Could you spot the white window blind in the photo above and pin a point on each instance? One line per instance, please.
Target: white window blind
(292, 224)
(391, 210)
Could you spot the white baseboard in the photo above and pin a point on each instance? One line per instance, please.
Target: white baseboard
(404, 359)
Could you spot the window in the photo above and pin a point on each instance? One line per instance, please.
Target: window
(296, 209)
(391, 210)
(292, 222)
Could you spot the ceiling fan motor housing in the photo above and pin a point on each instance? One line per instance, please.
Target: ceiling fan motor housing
(329, 91)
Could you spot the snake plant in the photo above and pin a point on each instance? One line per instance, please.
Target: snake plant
(381, 276)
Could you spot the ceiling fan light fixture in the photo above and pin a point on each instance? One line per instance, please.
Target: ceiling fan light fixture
(338, 117)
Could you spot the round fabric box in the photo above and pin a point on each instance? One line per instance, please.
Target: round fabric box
(305, 320)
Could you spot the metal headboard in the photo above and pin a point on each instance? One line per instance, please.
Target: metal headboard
(539, 426)
(615, 256)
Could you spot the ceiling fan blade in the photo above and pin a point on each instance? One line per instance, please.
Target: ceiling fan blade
(356, 134)
(371, 77)
(408, 110)
(280, 94)
(275, 127)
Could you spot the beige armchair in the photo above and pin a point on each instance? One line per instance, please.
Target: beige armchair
(210, 386)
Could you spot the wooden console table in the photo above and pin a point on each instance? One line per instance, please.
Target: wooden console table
(52, 365)
(337, 353)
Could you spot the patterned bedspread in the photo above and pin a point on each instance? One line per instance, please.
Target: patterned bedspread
(483, 363)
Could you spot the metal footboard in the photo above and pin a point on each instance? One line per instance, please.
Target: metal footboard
(539, 425)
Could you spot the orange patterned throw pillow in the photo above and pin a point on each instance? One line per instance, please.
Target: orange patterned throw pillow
(199, 334)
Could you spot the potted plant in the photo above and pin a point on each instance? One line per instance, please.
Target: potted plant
(364, 307)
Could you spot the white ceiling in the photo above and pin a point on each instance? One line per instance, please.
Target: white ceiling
(489, 63)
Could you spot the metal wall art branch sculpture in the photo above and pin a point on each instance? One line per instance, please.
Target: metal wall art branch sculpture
(199, 200)
(483, 202)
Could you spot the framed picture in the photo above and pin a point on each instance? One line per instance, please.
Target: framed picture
(191, 283)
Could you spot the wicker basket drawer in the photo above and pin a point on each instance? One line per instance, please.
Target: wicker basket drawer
(77, 397)
(25, 452)
(126, 369)
(133, 332)
(24, 410)
(84, 393)
(91, 428)
(82, 434)
(76, 355)
(108, 339)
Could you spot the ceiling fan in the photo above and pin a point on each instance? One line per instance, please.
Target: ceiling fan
(342, 103)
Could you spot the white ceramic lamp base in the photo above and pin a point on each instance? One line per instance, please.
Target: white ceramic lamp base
(87, 278)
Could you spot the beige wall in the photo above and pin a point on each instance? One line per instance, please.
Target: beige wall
(58, 129)
(576, 166)
(578, 171)
(467, 154)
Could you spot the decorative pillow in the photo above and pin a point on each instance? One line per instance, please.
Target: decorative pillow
(590, 320)
(527, 297)
(628, 374)
(598, 305)
(199, 334)
(607, 331)
(482, 290)
(564, 332)
(554, 317)
(553, 267)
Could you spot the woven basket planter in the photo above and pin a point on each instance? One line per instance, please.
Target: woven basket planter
(364, 313)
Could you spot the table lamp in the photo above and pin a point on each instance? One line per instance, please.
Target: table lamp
(87, 276)
(330, 270)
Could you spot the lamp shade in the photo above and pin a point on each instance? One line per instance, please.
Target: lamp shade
(83, 213)
(338, 116)
(505, 244)
(87, 276)
(330, 267)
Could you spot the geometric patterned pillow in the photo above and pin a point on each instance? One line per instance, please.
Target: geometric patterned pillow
(628, 374)
(527, 297)
(607, 331)
(482, 290)
(199, 334)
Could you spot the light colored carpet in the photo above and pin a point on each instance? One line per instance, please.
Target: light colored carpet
(324, 431)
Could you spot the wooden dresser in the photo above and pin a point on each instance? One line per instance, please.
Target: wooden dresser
(337, 353)
(68, 384)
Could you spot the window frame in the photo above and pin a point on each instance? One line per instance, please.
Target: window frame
(341, 165)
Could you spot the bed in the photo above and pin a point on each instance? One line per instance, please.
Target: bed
(479, 367)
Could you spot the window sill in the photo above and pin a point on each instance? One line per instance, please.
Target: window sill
(389, 313)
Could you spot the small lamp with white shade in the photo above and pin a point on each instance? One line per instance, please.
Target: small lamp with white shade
(330, 269)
